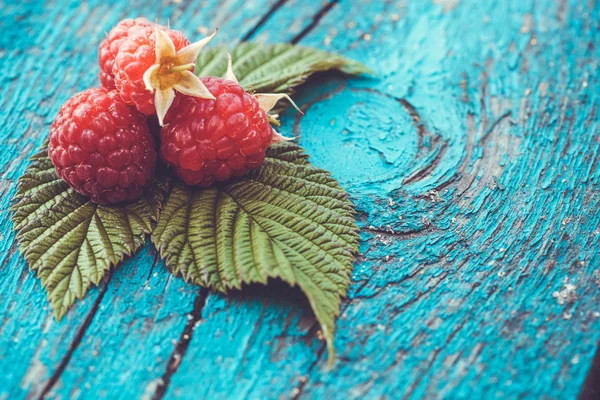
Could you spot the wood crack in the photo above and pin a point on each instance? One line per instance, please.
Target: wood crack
(263, 20)
(494, 124)
(182, 345)
(591, 385)
(427, 228)
(433, 358)
(299, 390)
(76, 341)
(316, 18)
(154, 263)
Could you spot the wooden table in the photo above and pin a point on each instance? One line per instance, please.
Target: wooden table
(473, 162)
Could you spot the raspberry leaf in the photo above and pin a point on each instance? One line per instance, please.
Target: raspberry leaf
(274, 68)
(286, 220)
(69, 241)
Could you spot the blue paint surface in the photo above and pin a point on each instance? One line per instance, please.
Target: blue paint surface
(472, 160)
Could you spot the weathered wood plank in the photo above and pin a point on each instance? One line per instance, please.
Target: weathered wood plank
(31, 95)
(472, 162)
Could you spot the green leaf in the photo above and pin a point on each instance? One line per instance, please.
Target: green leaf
(273, 68)
(286, 220)
(69, 241)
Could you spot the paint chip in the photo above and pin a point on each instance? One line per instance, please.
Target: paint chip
(567, 316)
(543, 88)
(448, 5)
(567, 294)
(575, 359)
(527, 23)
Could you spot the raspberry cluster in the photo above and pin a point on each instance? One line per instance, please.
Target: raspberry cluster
(210, 129)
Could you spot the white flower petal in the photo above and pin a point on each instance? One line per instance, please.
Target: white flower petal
(191, 85)
(150, 80)
(278, 137)
(189, 54)
(268, 100)
(164, 45)
(163, 100)
(230, 75)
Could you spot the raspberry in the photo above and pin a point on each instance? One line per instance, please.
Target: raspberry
(136, 54)
(110, 47)
(101, 147)
(207, 140)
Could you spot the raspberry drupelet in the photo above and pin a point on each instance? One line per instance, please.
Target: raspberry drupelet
(213, 140)
(102, 147)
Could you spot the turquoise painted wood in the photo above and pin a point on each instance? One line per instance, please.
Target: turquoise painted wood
(472, 160)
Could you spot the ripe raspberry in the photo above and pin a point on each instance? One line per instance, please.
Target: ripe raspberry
(207, 140)
(101, 147)
(137, 53)
(110, 47)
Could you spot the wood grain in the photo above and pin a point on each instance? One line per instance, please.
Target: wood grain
(472, 159)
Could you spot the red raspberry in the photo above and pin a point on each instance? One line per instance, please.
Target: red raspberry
(101, 147)
(136, 54)
(208, 140)
(110, 47)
